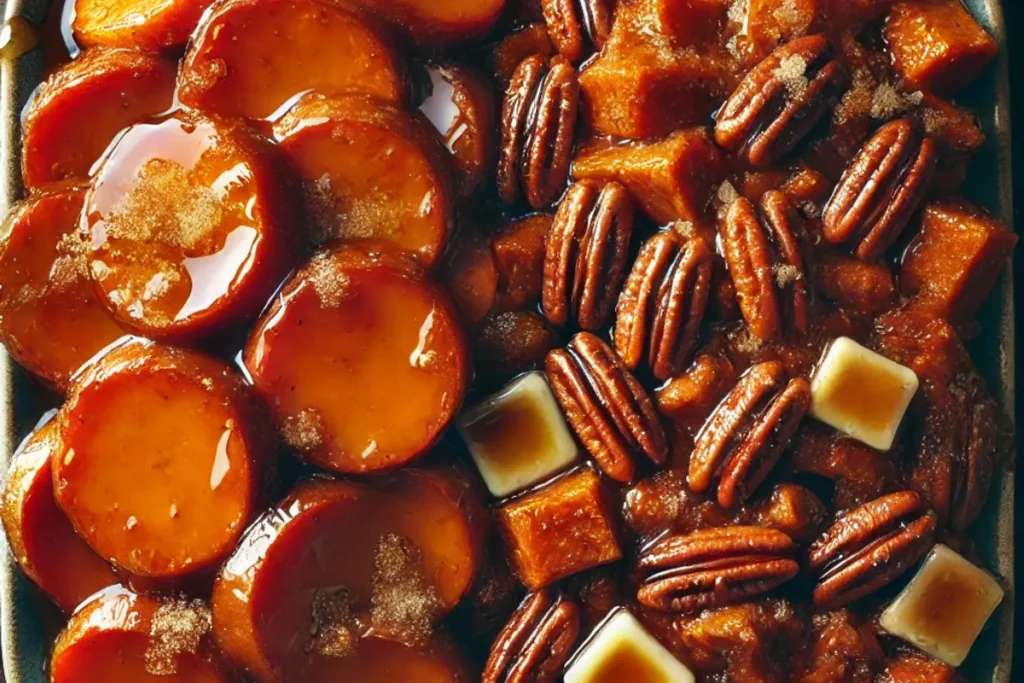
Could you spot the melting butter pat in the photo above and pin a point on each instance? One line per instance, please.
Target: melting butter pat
(861, 393)
(518, 437)
(944, 607)
(621, 650)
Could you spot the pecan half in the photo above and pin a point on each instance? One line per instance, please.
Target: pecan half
(578, 27)
(779, 100)
(663, 303)
(880, 190)
(869, 547)
(606, 406)
(586, 255)
(538, 123)
(744, 438)
(764, 261)
(715, 567)
(536, 642)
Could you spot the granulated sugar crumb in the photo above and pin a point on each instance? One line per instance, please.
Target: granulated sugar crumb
(738, 11)
(402, 603)
(684, 229)
(331, 623)
(178, 628)
(790, 16)
(785, 274)
(887, 102)
(726, 194)
(330, 285)
(746, 342)
(305, 430)
(792, 71)
(71, 265)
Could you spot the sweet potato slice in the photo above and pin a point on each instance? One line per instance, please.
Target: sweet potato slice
(50, 317)
(79, 109)
(462, 105)
(382, 365)
(41, 538)
(121, 637)
(313, 45)
(166, 458)
(378, 660)
(146, 25)
(191, 227)
(370, 171)
(434, 22)
(336, 558)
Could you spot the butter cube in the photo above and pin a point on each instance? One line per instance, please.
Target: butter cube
(861, 393)
(621, 649)
(943, 609)
(518, 437)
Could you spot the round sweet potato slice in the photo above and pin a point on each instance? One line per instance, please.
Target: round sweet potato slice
(370, 171)
(121, 637)
(336, 559)
(50, 317)
(166, 457)
(313, 45)
(191, 227)
(41, 538)
(146, 25)
(439, 22)
(78, 110)
(460, 103)
(361, 359)
(377, 660)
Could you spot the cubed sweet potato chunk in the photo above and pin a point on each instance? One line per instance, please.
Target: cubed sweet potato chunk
(860, 286)
(682, 22)
(769, 23)
(510, 343)
(519, 253)
(642, 90)
(954, 262)
(937, 45)
(564, 528)
(671, 179)
(532, 39)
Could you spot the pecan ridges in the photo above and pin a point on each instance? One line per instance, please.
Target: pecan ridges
(880, 190)
(538, 123)
(779, 100)
(714, 567)
(746, 435)
(608, 409)
(578, 27)
(869, 547)
(586, 254)
(536, 642)
(663, 303)
(765, 264)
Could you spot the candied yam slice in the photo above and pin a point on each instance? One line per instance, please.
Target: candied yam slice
(936, 45)
(378, 660)
(251, 57)
(50, 317)
(146, 25)
(165, 459)
(671, 179)
(370, 171)
(434, 22)
(41, 538)
(121, 637)
(334, 557)
(191, 227)
(78, 110)
(954, 261)
(383, 363)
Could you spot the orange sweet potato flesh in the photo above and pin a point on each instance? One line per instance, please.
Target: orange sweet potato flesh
(41, 538)
(434, 23)
(383, 363)
(671, 179)
(250, 57)
(370, 171)
(50, 317)
(392, 555)
(937, 45)
(378, 660)
(79, 109)
(953, 263)
(166, 460)
(146, 25)
(519, 252)
(121, 637)
(192, 227)
(514, 48)
(470, 274)
(561, 529)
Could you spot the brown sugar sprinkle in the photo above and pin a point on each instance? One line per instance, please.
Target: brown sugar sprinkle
(792, 71)
(786, 274)
(177, 628)
(165, 205)
(402, 604)
(330, 286)
(857, 101)
(332, 628)
(71, 265)
(305, 430)
(321, 210)
(887, 102)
